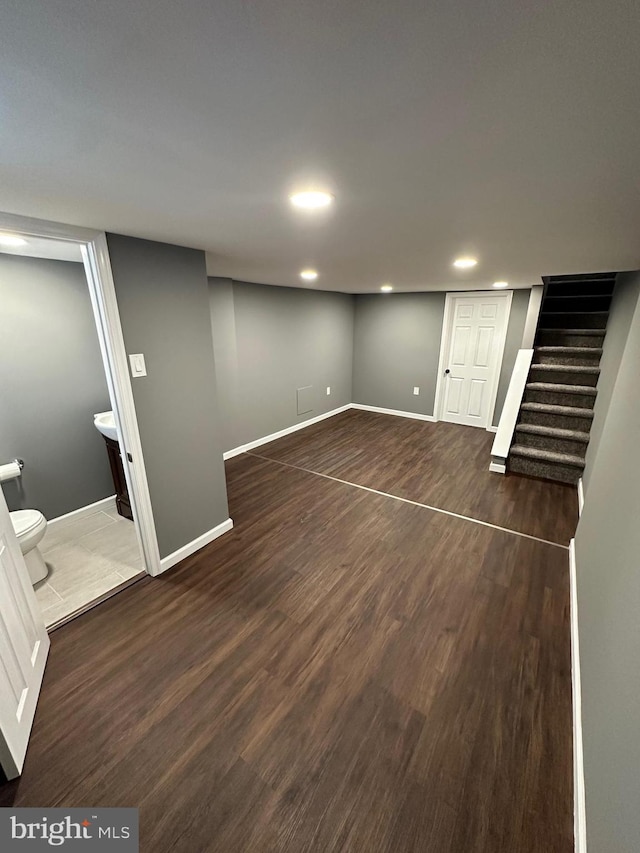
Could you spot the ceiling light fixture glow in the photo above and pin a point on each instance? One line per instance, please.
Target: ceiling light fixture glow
(500, 285)
(309, 275)
(311, 199)
(465, 263)
(12, 240)
(386, 288)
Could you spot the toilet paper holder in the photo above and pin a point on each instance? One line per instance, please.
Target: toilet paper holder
(11, 470)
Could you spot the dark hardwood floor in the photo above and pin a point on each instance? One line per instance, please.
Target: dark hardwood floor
(341, 672)
(440, 464)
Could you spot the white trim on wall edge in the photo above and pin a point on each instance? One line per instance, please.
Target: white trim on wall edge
(579, 804)
(492, 429)
(105, 305)
(497, 467)
(83, 510)
(415, 415)
(195, 545)
(580, 496)
(242, 448)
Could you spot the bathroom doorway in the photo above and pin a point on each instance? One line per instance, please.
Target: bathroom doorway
(80, 506)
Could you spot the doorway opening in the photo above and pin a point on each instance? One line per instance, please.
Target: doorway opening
(73, 502)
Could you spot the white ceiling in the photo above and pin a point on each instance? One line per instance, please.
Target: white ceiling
(506, 129)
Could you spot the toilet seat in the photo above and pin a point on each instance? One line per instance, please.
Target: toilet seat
(29, 526)
(24, 520)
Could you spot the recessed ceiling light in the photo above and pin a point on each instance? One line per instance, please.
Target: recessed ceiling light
(309, 275)
(499, 285)
(465, 263)
(12, 240)
(311, 199)
(386, 288)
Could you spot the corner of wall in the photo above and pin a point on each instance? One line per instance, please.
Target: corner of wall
(626, 297)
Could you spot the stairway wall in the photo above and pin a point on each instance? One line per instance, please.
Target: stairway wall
(625, 298)
(608, 584)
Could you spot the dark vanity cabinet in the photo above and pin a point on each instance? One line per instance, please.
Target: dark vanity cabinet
(123, 504)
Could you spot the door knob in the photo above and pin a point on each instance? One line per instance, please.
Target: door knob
(447, 370)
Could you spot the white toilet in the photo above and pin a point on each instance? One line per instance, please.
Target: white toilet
(30, 526)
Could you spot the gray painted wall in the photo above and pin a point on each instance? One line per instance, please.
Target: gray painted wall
(271, 341)
(52, 382)
(515, 330)
(625, 298)
(223, 325)
(164, 309)
(397, 346)
(608, 575)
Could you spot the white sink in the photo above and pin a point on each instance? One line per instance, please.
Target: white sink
(105, 423)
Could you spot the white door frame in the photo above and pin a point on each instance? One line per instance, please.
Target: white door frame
(445, 345)
(95, 255)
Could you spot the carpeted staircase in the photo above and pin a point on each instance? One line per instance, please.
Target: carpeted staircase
(552, 432)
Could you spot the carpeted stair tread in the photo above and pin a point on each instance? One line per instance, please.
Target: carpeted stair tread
(547, 456)
(551, 295)
(584, 332)
(572, 313)
(570, 350)
(551, 409)
(554, 432)
(558, 388)
(582, 278)
(567, 368)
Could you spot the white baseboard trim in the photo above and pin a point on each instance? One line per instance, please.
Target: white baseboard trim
(395, 412)
(195, 545)
(497, 467)
(83, 510)
(580, 496)
(243, 448)
(579, 805)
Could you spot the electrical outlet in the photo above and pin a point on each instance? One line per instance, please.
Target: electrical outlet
(416, 390)
(328, 390)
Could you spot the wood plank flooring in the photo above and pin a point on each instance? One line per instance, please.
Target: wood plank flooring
(341, 672)
(440, 464)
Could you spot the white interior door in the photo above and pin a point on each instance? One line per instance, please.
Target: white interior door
(472, 357)
(24, 645)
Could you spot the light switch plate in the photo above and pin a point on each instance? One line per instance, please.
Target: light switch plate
(416, 390)
(138, 367)
(328, 390)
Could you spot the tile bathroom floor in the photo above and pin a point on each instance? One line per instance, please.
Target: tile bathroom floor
(88, 556)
